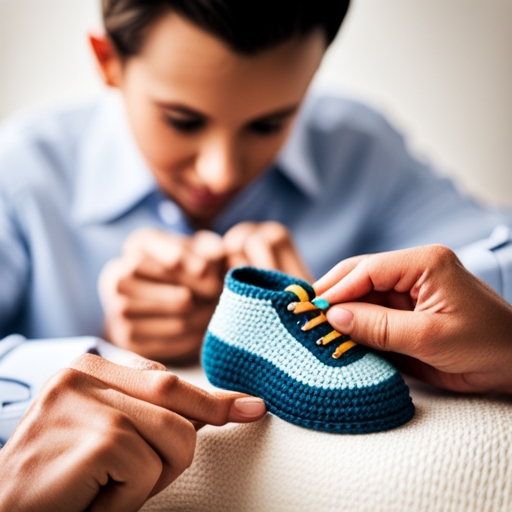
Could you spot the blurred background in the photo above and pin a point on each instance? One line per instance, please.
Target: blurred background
(440, 70)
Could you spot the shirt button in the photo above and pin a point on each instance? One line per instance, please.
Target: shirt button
(169, 212)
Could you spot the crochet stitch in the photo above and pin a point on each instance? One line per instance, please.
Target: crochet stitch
(256, 344)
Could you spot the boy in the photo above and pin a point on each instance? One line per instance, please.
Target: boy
(200, 137)
(209, 91)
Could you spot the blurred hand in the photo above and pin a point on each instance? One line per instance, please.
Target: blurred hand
(103, 437)
(452, 329)
(159, 296)
(268, 245)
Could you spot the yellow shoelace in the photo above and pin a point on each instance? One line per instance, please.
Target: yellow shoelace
(304, 306)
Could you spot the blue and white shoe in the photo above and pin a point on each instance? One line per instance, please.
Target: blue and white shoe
(268, 339)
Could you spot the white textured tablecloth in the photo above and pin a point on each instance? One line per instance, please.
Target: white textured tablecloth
(455, 455)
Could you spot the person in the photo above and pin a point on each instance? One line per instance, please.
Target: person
(452, 329)
(440, 322)
(105, 437)
(209, 155)
(209, 152)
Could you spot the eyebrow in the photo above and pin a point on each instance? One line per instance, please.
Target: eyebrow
(183, 109)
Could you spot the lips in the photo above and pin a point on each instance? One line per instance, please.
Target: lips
(203, 197)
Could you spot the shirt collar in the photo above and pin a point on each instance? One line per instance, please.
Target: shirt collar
(295, 160)
(111, 175)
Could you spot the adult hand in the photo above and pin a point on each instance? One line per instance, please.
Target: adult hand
(103, 437)
(268, 245)
(453, 330)
(160, 295)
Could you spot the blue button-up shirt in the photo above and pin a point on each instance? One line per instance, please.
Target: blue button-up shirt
(73, 186)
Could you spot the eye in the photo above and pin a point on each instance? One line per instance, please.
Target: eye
(186, 125)
(266, 127)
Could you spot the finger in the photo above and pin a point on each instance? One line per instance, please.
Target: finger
(163, 256)
(234, 240)
(168, 298)
(170, 435)
(396, 270)
(165, 248)
(167, 390)
(237, 260)
(337, 273)
(382, 328)
(127, 487)
(260, 253)
(129, 308)
(208, 255)
(206, 282)
(209, 246)
(389, 299)
(144, 328)
(138, 362)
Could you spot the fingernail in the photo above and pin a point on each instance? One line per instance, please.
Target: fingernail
(340, 318)
(250, 406)
(321, 303)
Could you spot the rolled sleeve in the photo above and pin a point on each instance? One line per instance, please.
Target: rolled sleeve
(490, 259)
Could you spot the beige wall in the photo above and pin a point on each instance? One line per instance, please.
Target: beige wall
(440, 69)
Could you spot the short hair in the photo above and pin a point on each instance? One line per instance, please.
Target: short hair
(246, 26)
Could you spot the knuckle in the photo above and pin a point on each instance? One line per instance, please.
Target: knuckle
(381, 331)
(136, 239)
(123, 284)
(110, 432)
(183, 300)
(149, 365)
(184, 438)
(189, 436)
(235, 238)
(65, 380)
(275, 233)
(122, 307)
(116, 423)
(442, 255)
(213, 408)
(165, 385)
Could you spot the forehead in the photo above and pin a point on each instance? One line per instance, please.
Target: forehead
(181, 62)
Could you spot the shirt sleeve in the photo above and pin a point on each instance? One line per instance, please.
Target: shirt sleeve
(412, 205)
(14, 266)
(25, 366)
(491, 260)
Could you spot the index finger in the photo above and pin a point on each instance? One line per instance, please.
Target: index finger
(337, 273)
(159, 255)
(169, 391)
(395, 270)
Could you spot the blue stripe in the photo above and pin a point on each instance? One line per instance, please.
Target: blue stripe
(380, 407)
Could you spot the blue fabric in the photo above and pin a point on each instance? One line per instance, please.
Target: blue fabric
(73, 186)
(249, 350)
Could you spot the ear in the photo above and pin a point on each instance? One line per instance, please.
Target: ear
(108, 60)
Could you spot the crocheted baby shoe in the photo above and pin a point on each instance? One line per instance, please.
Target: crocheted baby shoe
(266, 338)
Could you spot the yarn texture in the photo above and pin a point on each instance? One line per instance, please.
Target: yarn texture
(256, 345)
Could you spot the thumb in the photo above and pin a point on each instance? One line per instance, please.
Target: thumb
(386, 329)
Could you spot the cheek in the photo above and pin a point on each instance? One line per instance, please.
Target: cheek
(162, 149)
(263, 151)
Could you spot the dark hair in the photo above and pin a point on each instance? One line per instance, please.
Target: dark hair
(246, 26)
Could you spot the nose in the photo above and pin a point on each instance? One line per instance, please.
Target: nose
(218, 165)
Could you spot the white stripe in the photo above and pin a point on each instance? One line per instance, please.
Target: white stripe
(253, 325)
